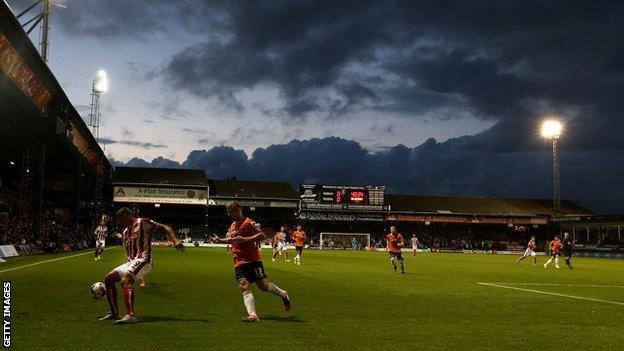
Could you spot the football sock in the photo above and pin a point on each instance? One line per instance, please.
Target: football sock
(111, 296)
(275, 290)
(250, 305)
(548, 262)
(129, 299)
(556, 261)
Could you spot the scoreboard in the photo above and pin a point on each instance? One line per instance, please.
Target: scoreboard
(342, 197)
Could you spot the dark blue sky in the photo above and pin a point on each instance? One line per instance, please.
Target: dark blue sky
(351, 91)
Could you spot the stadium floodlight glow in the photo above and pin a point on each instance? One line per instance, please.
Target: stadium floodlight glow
(551, 129)
(12, 163)
(100, 84)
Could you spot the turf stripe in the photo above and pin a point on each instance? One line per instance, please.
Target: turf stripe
(553, 294)
(550, 284)
(47, 261)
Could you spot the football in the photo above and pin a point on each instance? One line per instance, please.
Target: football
(98, 290)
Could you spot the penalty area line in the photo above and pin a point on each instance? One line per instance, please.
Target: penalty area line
(47, 261)
(551, 293)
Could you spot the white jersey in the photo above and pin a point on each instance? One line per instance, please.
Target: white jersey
(414, 242)
(280, 245)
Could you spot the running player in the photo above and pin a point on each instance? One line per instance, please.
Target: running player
(138, 243)
(395, 243)
(243, 235)
(415, 243)
(529, 252)
(567, 249)
(555, 251)
(279, 245)
(300, 239)
(100, 239)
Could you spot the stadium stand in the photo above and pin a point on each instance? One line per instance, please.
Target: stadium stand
(52, 171)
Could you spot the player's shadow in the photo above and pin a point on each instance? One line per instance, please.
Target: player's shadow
(291, 319)
(156, 319)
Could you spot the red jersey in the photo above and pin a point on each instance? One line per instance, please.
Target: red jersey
(300, 237)
(138, 239)
(246, 252)
(394, 241)
(555, 246)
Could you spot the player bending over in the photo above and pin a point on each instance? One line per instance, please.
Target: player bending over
(100, 239)
(243, 235)
(395, 243)
(279, 245)
(555, 251)
(567, 249)
(300, 239)
(529, 252)
(137, 238)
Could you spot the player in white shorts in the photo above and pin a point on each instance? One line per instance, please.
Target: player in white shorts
(100, 239)
(138, 243)
(529, 252)
(415, 243)
(280, 247)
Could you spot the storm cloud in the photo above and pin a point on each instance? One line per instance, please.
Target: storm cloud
(456, 167)
(509, 62)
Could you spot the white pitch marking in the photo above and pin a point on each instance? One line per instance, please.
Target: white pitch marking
(42, 262)
(554, 294)
(549, 284)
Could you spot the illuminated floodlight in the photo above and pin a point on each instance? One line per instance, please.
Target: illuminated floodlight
(100, 84)
(551, 129)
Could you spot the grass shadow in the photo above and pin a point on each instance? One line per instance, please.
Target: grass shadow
(156, 319)
(291, 319)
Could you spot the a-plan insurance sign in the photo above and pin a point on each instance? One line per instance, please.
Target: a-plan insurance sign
(188, 196)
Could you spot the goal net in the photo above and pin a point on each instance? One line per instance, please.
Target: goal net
(344, 241)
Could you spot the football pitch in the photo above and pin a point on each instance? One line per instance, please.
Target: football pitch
(342, 300)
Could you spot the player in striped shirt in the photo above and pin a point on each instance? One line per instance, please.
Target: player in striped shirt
(137, 238)
(248, 268)
(529, 252)
(100, 239)
(280, 246)
(415, 243)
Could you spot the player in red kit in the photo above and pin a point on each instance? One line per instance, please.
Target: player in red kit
(137, 238)
(529, 252)
(243, 235)
(395, 243)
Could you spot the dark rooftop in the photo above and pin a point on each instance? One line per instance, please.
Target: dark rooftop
(249, 189)
(159, 176)
(479, 205)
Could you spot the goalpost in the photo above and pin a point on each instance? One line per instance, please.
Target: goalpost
(343, 240)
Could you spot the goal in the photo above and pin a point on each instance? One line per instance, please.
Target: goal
(330, 240)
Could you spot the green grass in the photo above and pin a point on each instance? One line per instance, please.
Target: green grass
(341, 300)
